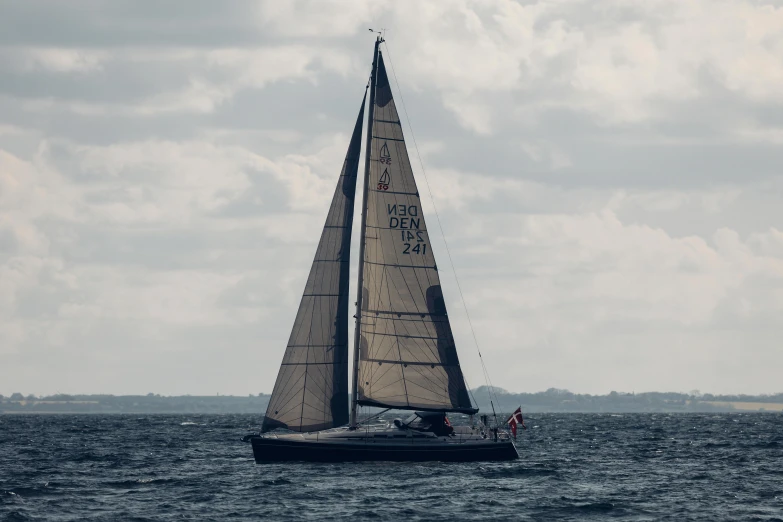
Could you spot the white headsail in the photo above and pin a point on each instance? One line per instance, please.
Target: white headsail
(311, 390)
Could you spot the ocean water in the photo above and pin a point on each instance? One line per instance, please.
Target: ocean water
(572, 467)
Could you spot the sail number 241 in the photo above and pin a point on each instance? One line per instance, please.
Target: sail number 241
(406, 219)
(418, 248)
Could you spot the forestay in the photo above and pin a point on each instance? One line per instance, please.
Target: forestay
(311, 390)
(408, 359)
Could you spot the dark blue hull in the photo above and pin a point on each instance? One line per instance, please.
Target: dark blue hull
(280, 450)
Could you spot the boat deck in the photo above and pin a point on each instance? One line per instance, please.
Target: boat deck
(381, 444)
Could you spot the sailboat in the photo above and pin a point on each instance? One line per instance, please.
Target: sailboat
(404, 355)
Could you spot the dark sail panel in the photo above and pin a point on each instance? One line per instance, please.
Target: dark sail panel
(408, 358)
(311, 390)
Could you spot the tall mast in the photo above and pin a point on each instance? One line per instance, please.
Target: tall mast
(362, 240)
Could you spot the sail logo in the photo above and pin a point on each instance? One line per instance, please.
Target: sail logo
(385, 155)
(384, 181)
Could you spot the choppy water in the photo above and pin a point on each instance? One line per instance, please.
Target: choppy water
(573, 467)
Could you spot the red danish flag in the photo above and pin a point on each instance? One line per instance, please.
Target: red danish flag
(516, 418)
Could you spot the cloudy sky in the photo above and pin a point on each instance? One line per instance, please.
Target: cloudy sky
(608, 175)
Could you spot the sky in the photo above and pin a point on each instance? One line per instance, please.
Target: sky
(608, 177)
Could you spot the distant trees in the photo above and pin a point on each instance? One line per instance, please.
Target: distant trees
(17, 396)
(560, 400)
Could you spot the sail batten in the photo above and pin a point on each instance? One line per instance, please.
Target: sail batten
(311, 390)
(407, 354)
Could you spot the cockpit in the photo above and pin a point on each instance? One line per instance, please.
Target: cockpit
(426, 421)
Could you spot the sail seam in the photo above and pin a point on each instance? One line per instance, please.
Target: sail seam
(392, 192)
(393, 312)
(412, 336)
(374, 403)
(412, 363)
(433, 267)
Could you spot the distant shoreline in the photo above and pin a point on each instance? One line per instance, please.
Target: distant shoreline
(549, 401)
(133, 404)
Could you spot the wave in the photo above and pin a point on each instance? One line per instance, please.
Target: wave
(517, 471)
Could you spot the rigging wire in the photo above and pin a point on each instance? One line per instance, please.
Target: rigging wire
(491, 388)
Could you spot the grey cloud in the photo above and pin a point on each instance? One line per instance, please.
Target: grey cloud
(125, 22)
(611, 193)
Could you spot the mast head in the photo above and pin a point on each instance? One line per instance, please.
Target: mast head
(379, 38)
